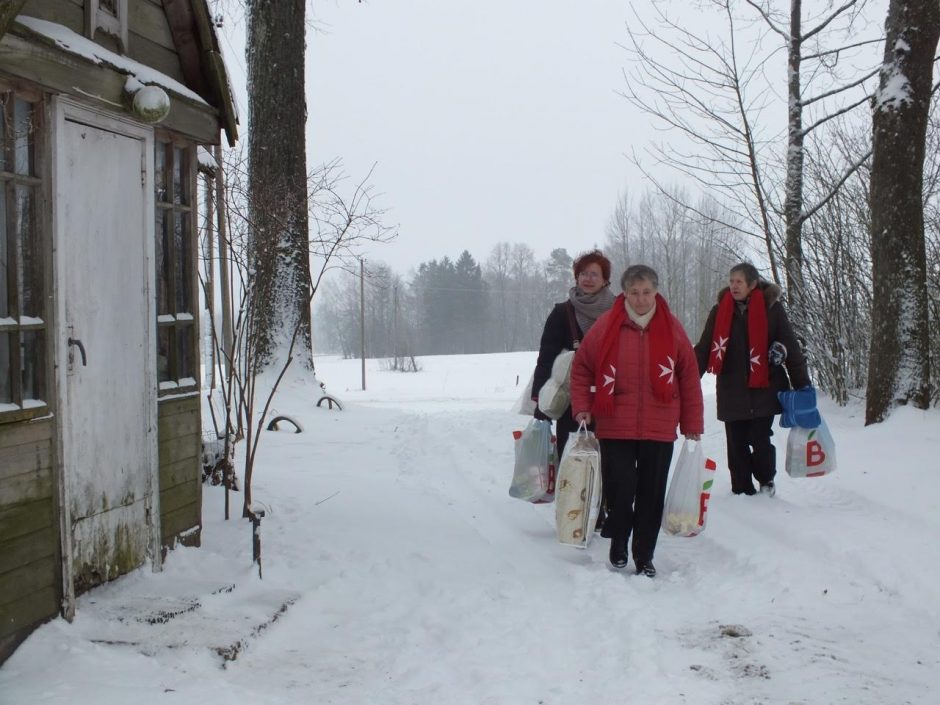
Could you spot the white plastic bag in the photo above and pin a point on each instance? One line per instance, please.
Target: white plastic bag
(533, 477)
(554, 398)
(686, 507)
(578, 490)
(811, 452)
(525, 405)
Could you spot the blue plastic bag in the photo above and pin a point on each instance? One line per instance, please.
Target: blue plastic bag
(799, 408)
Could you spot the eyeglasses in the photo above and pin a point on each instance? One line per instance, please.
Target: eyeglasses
(590, 275)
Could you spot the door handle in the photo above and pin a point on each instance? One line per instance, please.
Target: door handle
(81, 348)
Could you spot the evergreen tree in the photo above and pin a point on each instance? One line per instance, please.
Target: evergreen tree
(470, 305)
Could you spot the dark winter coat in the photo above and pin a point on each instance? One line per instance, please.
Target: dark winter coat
(558, 335)
(737, 401)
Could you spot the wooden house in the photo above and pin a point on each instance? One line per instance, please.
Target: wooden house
(103, 104)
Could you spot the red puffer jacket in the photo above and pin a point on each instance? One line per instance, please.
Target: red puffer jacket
(638, 413)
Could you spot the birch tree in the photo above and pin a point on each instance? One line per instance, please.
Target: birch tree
(708, 89)
(898, 370)
(714, 89)
(808, 44)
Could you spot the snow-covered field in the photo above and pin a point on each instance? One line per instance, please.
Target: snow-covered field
(408, 575)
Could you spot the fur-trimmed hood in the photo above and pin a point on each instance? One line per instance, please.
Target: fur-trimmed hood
(771, 292)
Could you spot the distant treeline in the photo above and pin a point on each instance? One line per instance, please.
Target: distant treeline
(459, 305)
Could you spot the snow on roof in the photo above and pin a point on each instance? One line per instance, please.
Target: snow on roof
(76, 44)
(205, 159)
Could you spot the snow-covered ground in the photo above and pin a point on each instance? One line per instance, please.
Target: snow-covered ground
(406, 574)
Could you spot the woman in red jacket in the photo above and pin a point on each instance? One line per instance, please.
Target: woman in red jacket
(635, 375)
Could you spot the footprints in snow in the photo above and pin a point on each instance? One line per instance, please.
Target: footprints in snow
(737, 649)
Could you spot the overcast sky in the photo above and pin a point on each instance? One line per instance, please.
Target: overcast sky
(488, 120)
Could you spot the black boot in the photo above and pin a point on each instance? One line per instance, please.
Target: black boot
(618, 553)
(646, 568)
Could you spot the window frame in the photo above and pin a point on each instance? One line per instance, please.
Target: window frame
(37, 181)
(171, 322)
(99, 18)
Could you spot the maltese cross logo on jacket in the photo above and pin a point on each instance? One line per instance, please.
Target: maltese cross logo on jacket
(669, 369)
(609, 379)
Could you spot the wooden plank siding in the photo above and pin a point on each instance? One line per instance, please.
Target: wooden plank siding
(180, 453)
(149, 40)
(30, 574)
(17, 619)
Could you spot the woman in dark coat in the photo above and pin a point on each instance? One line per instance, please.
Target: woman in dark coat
(749, 344)
(567, 325)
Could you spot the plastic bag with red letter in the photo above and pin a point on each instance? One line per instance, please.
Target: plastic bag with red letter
(686, 507)
(811, 452)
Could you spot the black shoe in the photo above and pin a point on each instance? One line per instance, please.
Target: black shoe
(646, 569)
(769, 489)
(749, 491)
(618, 553)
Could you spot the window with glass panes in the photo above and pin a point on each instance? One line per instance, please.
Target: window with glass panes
(176, 334)
(22, 281)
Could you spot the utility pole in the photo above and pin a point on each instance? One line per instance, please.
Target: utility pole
(362, 318)
(396, 345)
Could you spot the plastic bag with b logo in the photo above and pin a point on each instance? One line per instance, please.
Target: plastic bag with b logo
(811, 452)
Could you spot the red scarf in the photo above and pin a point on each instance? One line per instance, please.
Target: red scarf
(759, 375)
(662, 355)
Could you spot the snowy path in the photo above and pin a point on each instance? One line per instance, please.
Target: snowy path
(420, 581)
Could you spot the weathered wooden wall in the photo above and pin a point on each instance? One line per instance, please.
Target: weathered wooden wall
(30, 542)
(148, 33)
(41, 61)
(180, 453)
(30, 573)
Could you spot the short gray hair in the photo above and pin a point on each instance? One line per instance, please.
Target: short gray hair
(747, 270)
(635, 273)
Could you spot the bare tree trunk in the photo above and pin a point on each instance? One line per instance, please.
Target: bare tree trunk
(277, 164)
(899, 371)
(793, 203)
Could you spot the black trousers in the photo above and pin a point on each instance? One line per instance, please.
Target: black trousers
(750, 453)
(636, 473)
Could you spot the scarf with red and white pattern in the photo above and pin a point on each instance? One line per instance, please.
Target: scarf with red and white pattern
(662, 356)
(759, 375)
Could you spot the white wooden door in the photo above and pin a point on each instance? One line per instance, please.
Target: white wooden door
(105, 351)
